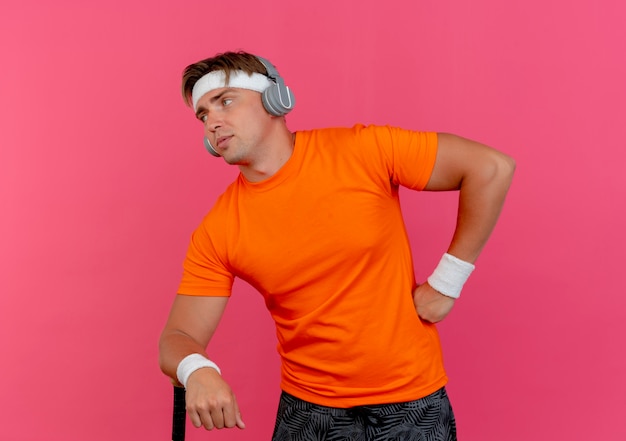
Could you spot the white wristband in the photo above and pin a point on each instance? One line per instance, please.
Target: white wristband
(192, 363)
(450, 275)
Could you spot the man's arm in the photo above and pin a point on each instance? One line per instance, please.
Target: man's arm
(189, 328)
(483, 176)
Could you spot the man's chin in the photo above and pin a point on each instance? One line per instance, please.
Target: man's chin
(229, 160)
(232, 160)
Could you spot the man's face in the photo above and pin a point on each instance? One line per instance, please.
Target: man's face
(235, 123)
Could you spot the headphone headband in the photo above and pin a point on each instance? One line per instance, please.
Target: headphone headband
(272, 73)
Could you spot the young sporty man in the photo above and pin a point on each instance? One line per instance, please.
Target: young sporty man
(313, 222)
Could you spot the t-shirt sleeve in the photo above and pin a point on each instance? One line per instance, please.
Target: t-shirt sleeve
(408, 155)
(204, 272)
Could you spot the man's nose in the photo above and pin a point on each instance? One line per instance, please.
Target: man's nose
(213, 123)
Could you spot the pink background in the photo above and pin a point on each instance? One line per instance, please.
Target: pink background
(103, 177)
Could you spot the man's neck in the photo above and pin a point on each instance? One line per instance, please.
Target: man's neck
(277, 156)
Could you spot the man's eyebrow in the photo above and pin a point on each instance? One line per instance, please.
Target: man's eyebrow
(202, 109)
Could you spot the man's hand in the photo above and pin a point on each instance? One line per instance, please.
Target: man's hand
(211, 402)
(430, 304)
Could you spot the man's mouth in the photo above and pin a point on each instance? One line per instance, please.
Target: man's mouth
(222, 141)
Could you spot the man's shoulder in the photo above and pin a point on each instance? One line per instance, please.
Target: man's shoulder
(329, 130)
(355, 131)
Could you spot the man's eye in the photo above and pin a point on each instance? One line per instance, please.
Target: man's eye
(203, 118)
(227, 101)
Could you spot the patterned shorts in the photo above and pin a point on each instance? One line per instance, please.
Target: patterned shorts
(427, 419)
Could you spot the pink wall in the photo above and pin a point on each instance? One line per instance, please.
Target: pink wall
(103, 177)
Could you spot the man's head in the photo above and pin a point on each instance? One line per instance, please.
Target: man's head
(240, 99)
(242, 70)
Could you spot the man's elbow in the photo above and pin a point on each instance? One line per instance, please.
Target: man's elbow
(507, 166)
(500, 168)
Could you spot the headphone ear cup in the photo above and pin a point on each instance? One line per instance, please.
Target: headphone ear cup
(209, 147)
(278, 99)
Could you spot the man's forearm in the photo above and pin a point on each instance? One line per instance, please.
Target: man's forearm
(481, 198)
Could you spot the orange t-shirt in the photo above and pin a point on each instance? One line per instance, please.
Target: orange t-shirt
(324, 242)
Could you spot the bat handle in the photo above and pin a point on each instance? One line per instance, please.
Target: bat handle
(179, 414)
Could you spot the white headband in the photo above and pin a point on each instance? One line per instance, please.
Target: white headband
(217, 79)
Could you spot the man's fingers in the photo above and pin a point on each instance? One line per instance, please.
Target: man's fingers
(238, 421)
(217, 416)
(201, 419)
(232, 415)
